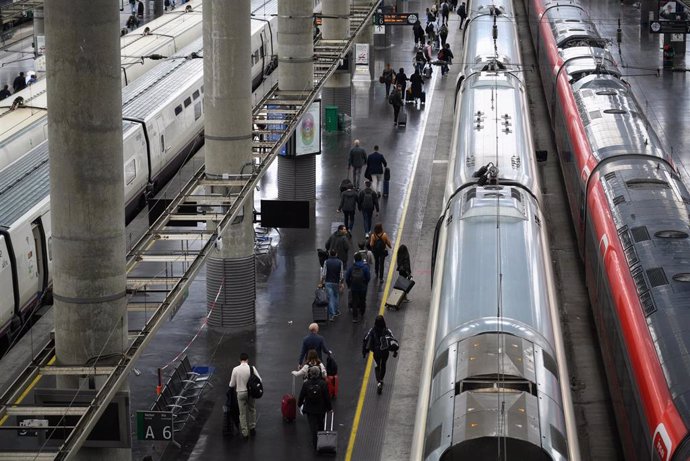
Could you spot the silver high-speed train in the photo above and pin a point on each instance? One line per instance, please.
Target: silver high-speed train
(494, 382)
(163, 120)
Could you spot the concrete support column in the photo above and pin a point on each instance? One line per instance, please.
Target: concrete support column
(158, 8)
(39, 31)
(231, 282)
(367, 36)
(87, 189)
(296, 175)
(337, 91)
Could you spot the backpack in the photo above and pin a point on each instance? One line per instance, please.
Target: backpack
(357, 280)
(444, 9)
(387, 342)
(313, 394)
(255, 388)
(441, 55)
(364, 256)
(331, 366)
(367, 201)
(379, 246)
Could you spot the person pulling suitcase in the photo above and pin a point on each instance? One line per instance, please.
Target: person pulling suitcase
(314, 401)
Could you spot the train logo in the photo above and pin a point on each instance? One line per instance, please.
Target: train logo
(662, 442)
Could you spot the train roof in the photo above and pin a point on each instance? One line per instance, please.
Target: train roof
(584, 60)
(24, 185)
(479, 48)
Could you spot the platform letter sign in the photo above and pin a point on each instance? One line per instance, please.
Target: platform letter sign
(154, 425)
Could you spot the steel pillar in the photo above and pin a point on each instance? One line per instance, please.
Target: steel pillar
(87, 189)
(231, 284)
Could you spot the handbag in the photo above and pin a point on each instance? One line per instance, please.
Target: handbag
(382, 79)
(327, 440)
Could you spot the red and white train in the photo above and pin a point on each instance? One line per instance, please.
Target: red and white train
(630, 210)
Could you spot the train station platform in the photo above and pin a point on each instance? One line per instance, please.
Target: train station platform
(370, 426)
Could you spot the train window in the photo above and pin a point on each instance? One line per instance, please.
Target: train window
(440, 363)
(433, 441)
(657, 277)
(197, 110)
(162, 143)
(262, 50)
(607, 93)
(202, 88)
(558, 441)
(130, 171)
(550, 364)
(683, 277)
(671, 234)
(615, 111)
(187, 102)
(196, 94)
(178, 109)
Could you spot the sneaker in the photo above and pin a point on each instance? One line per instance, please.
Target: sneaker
(252, 432)
(379, 387)
(331, 318)
(337, 314)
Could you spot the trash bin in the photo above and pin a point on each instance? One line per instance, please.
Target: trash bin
(331, 118)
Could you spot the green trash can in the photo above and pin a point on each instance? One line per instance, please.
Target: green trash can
(331, 118)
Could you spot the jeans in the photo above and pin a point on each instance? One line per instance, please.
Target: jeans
(380, 369)
(349, 219)
(247, 412)
(419, 65)
(366, 216)
(333, 298)
(356, 173)
(379, 263)
(388, 88)
(444, 68)
(377, 179)
(359, 303)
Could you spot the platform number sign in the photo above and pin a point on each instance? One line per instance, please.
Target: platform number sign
(154, 425)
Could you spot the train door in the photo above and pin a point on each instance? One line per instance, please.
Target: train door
(7, 300)
(39, 236)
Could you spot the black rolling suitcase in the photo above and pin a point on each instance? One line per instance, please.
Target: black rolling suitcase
(319, 308)
(398, 294)
(386, 181)
(402, 117)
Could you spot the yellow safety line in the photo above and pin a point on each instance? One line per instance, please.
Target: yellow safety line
(26, 392)
(382, 308)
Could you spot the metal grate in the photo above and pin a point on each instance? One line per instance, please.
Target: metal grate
(640, 234)
(631, 256)
(610, 176)
(648, 306)
(618, 200)
(657, 277)
(625, 236)
(638, 277)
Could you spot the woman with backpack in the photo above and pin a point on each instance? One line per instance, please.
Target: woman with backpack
(311, 361)
(315, 401)
(381, 342)
(379, 242)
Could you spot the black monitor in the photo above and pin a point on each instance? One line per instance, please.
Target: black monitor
(285, 213)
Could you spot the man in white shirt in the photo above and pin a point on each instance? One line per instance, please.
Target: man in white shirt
(238, 380)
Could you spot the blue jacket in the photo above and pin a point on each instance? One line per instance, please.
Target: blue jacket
(313, 341)
(367, 276)
(376, 163)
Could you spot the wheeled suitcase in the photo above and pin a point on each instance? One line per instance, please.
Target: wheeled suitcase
(427, 71)
(395, 299)
(386, 181)
(288, 406)
(404, 284)
(402, 117)
(327, 440)
(333, 382)
(319, 307)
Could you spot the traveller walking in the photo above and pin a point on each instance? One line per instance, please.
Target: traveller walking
(418, 32)
(430, 17)
(453, 5)
(356, 160)
(313, 341)
(348, 205)
(396, 100)
(445, 11)
(443, 35)
(332, 276)
(431, 33)
(379, 340)
(339, 242)
(5, 92)
(133, 6)
(238, 380)
(379, 243)
(401, 80)
(416, 83)
(132, 22)
(428, 55)
(19, 82)
(368, 202)
(311, 361)
(419, 62)
(140, 9)
(388, 77)
(462, 12)
(445, 55)
(357, 279)
(315, 401)
(367, 255)
(375, 165)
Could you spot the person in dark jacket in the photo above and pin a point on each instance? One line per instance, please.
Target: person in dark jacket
(5, 92)
(339, 242)
(443, 34)
(332, 277)
(418, 31)
(372, 343)
(388, 77)
(140, 9)
(348, 205)
(313, 341)
(462, 12)
(368, 201)
(356, 160)
(315, 401)
(357, 280)
(397, 102)
(379, 242)
(19, 82)
(447, 56)
(403, 260)
(401, 80)
(375, 165)
(416, 83)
